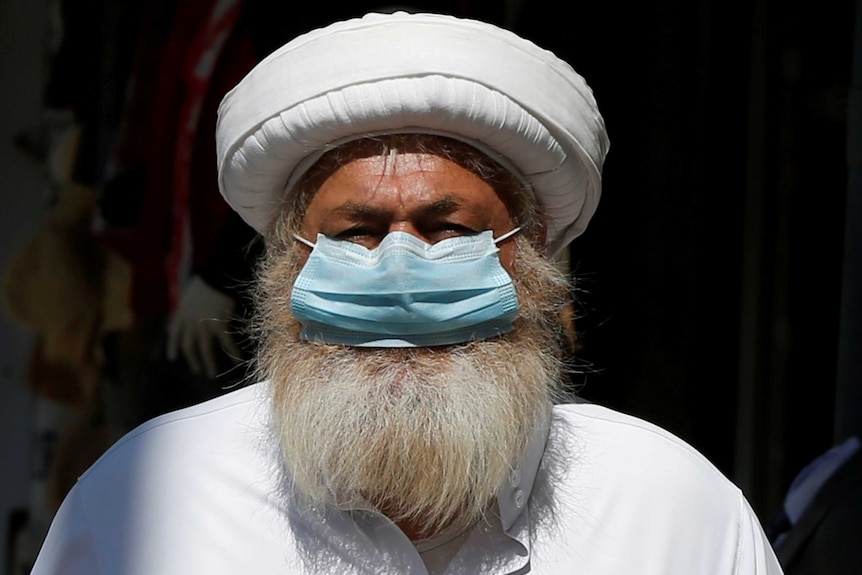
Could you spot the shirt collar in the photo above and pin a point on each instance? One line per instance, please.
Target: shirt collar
(513, 495)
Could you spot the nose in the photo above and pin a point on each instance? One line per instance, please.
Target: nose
(408, 227)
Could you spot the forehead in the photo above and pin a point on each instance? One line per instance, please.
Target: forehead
(418, 163)
(405, 187)
(406, 176)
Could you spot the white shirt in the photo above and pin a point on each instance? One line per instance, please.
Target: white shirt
(201, 491)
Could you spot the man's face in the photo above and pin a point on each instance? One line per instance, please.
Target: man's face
(426, 195)
(426, 435)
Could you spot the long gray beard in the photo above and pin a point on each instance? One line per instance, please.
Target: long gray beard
(426, 435)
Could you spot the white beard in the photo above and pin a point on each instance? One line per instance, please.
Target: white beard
(426, 435)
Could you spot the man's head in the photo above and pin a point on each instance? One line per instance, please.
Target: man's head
(428, 434)
(438, 132)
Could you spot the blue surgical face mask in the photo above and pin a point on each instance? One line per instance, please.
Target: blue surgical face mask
(404, 292)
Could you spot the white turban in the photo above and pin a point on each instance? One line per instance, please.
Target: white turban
(414, 73)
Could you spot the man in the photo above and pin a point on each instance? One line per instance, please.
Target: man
(414, 176)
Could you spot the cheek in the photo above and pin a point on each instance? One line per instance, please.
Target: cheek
(507, 256)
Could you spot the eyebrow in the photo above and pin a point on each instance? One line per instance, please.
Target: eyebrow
(360, 211)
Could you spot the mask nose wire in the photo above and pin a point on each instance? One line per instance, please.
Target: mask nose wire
(505, 236)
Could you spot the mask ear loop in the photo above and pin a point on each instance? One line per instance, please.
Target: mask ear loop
(507, 235)
(304, 241)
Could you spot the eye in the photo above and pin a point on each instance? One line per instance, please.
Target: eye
(445, 230)
(364, 235)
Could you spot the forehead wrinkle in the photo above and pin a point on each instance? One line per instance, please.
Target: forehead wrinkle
(358, 210)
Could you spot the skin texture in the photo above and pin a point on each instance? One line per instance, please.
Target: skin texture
(422, 194)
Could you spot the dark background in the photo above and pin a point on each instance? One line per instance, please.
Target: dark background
(713, 269)
(710, 279)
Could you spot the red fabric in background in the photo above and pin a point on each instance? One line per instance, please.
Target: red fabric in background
(161, 99)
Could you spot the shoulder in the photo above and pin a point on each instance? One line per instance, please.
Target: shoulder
(638, 477)
(180, 455)
(627, 492)
(626, 445)
(200, 485)
(222, 423)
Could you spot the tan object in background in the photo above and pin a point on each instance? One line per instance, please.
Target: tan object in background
(70, 290)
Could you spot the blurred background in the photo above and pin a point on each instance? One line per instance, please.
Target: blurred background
(718, 285)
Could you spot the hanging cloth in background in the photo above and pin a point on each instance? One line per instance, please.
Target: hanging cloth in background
(198, 71)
